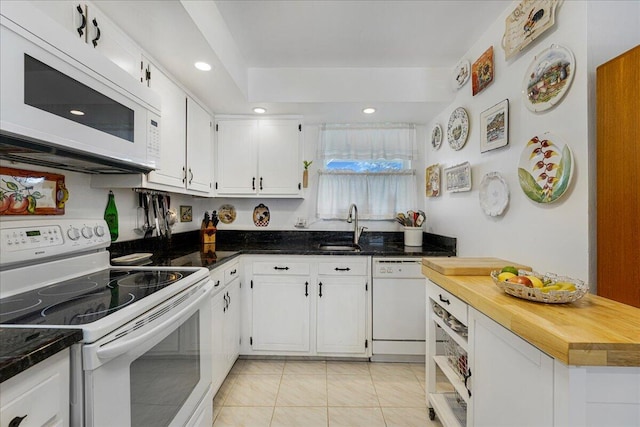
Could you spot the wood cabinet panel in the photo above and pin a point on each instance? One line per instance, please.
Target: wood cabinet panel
(618, 177)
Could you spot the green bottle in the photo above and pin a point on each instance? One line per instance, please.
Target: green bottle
(111, 216)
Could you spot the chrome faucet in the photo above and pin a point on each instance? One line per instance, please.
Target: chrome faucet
(357, 231)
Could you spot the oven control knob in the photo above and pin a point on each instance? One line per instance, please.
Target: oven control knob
(73, 233)
(87, 232)
(99, 230)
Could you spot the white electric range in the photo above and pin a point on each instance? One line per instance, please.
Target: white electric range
(145, 354)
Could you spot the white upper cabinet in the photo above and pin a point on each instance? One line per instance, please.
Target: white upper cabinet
(259, 157)
(199, 148)
(93, 28)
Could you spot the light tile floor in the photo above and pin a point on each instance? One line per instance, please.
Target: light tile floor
(318, 393)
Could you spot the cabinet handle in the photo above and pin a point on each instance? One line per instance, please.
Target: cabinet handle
(343, 269)
(466, 378)
(320, 285)
(280, 268)
(95, 41)
(224, 307)
(15, 422)
(232, 272)
(190, 176)
(306, 289)
(217, 284)
(253, 183)
(184, 174)
(82, 26)
(260, 183)
(444, 300)
(228, 299)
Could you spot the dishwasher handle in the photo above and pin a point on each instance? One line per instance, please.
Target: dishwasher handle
(110, 350)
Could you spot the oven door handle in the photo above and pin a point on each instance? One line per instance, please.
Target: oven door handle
(119, 347)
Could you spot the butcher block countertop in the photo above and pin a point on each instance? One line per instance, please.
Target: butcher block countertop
(592, 331)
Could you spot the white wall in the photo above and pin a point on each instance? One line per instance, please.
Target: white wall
(549, 237)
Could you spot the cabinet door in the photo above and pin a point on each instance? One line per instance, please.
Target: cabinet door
(341, 316)
(281, 313)
(279, 159)
(173, 124)
(109, 40)
(236, 157)
(199, 148)
(232, 324)
(512, 381)
(219, 359)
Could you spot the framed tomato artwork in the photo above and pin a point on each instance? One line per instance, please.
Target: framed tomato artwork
(25, 192)
(482, 71)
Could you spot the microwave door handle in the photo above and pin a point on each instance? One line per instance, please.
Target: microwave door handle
(117, 347)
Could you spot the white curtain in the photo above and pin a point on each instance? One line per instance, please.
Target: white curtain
(378, 195)
(367, 141)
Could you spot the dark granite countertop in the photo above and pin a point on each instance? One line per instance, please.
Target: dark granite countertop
(21, 348)
(184, 249)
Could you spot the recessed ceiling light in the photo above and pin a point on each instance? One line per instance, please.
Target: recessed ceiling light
(259, 110)
(77, 112)
(369, 110)
(202, 66)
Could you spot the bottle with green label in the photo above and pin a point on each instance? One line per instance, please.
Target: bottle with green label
(111, 216)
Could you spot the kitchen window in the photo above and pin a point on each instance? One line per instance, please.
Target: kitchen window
(369, 165)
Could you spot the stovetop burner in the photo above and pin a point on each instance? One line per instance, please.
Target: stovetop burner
(85, 299)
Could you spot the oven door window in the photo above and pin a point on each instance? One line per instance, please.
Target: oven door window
(165, 376)
(50, 90)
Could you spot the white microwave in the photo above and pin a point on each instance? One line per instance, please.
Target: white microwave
(59, 98)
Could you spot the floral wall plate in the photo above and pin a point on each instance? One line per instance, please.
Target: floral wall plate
(494, 194)
(546, 168)
(227, 214)
(548, 78)
(458, 128)
(461, 73)
(436, 136)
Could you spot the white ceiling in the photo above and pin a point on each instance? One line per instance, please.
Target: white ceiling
(261, 49)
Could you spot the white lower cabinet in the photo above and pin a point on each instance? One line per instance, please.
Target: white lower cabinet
(225, 327)
(281, 313)
(38, 396)
(512, 379)
(308, 306)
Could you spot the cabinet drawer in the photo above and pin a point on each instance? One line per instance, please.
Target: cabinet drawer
(347, 267)
(448, 301)
(231, 272)
(282, 268)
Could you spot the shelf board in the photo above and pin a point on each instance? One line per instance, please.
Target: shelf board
(446, 414)
(462, 341)
(452, 376)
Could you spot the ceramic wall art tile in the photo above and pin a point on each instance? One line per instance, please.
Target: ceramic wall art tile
(25, 192)
(461, 73)
(458, 177)
(433, 181)
(261, 215)
(482, 71)
(528, 21)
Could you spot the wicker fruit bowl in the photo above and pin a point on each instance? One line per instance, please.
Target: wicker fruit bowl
(541, 294)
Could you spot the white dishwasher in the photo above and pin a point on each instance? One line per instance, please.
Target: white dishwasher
(398, 309)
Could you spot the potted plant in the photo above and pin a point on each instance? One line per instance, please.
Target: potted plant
(305, 173)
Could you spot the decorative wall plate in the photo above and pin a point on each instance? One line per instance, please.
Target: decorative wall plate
(527, 21)
(548, 78)
(482, 71)
(261, 215)
(546, 168)
(494, 194)
(458, 128)
(436, 136)
(458, 177)
(433, 181)
(461, 73)
(227, 214)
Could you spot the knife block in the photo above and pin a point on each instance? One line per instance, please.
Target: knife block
(208, 235)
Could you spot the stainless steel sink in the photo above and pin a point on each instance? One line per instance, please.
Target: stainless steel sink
(339, 247)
